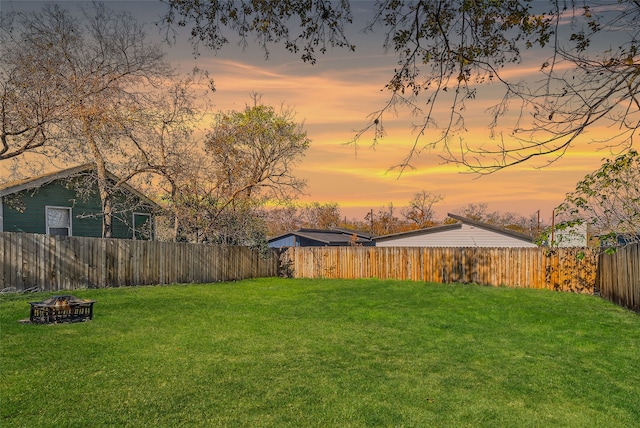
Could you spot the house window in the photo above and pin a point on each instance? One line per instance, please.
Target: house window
(58, 221)
(142, 226)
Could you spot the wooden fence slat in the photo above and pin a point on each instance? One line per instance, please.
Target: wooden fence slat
(619, 276)
(54, 263)
(3, 251)
(558, 269)
(565, 269)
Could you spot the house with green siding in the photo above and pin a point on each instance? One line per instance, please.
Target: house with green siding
(67, 203)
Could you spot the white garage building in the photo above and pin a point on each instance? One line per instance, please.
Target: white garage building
(464, 233)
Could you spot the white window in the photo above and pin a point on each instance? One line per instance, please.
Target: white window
(58, 221)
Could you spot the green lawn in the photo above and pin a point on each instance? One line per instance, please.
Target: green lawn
(323, 353)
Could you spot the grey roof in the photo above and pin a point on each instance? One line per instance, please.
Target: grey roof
(35, 182)
(461, 220)
(354, 232)
(425, 231)
(488, 226)
(332, 236)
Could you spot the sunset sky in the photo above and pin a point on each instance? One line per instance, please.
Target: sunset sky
(334, 97)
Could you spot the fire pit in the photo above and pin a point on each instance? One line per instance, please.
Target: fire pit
(57, 309)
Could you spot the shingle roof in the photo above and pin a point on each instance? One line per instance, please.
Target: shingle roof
(34, 182)
(332, 236)
(354, 232)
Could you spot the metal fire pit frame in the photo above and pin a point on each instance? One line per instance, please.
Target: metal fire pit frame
(65, 309)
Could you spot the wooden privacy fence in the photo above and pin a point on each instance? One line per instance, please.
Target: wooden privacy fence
(565, 269)
(619, 277)
(51, 263)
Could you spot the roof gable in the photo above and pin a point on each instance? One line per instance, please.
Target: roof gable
(466, 232)
(487, 226)
(39, 181)
(35, 182)
(418, 232)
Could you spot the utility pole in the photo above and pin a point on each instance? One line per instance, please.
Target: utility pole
(371, 218)
(553, 226)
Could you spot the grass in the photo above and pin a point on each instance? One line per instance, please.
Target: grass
(319, 353)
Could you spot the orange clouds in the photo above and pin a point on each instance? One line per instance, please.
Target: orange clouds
(334, 103)
(334, 97)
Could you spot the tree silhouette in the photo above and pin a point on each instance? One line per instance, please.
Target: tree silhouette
(450, 51)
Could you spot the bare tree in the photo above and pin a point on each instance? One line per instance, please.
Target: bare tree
(34, 99)
(474, 211)
(92, 90)
(282, 219)
(450, 51)
(320, 216)
(246, 161)
(385, 221)
(293, 216)
(586, 81)
(165, 156)
(507, 220)
(420, 210)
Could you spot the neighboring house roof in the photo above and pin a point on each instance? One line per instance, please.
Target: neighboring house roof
(419, 232)
(466, 232)
(508, 232)
(354, 232)
(334, 236)
(35, 182)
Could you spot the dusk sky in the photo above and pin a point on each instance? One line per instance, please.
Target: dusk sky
(334, 97)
